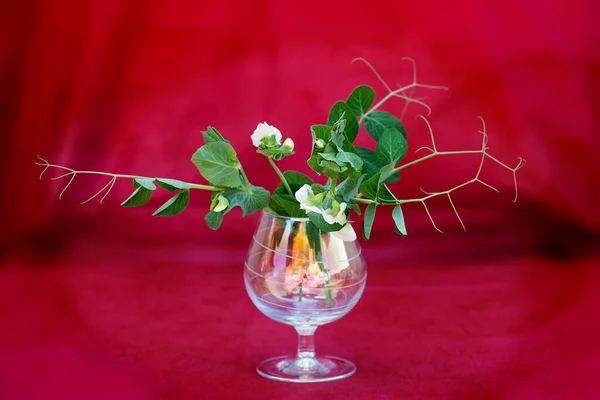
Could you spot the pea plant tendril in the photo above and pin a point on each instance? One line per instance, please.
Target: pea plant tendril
(358, 179)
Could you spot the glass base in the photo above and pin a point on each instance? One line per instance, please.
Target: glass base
(306, 370)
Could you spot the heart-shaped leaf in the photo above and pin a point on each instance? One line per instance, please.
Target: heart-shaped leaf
(361, 99)
(391, 147)
(218, 164)
(378, 121)
(372, 166)
(250, 200)
(214, 219)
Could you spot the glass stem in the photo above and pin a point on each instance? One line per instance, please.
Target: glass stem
(306, 342)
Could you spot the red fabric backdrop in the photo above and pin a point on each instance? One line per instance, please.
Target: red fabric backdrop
(100, 301)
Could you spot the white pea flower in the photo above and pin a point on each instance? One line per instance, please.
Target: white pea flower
(264, 130)
(346, 234)
(335, 255)
(335, 214)
(307, 199)
(310, 202)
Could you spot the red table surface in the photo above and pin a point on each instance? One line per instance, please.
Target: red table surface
(99, 302)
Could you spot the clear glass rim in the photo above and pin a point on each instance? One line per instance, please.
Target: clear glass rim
(291, 257)
(294, 219)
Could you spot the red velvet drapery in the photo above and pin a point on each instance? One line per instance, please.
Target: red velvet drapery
(127, 86)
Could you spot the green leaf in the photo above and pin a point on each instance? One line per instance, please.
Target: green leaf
(295, 179)
(372, 166)
(317, 189)
(378, 121)
(385, 196)
(391, 147)
(355, 207)
(250, 200)
(369, 187)
(172, 184)
(214, 219)
(175, 205)
(352, 159)
(386, 172)
(327, 201)
(395, 177)
(319, 132)
(321, 224)
(368, 220)
(212, 135)
(351, 126)
(349, 186)
(337, 131)
(398, 217)
(361, 99)
(139, 197)
(286, 206)
(329, 156)
(330, 168)
(322, 132)
(145, 182)
(218, 164)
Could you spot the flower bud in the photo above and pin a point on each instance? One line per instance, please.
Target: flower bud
(320, 143)
(222, 204)
(288, 146)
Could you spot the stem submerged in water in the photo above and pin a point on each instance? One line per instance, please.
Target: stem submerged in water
(328, 301)
(314, 241)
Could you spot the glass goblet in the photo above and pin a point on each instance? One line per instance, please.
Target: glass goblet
(299, 276)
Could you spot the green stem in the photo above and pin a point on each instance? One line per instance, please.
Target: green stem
(300, 289)
(332, 183)
(245, 178)
(281, 176)
(363, 201)
(205, 187)
(328, 300)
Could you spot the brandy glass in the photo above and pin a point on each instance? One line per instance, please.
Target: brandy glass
(303, 281)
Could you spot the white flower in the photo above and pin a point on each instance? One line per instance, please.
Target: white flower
(346, 234)
(310, 202)
(335, 256)
(331, 216)
(307, 200)
(264, 130)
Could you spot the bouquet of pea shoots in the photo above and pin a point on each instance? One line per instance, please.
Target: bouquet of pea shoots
(345, 176)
